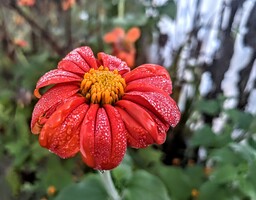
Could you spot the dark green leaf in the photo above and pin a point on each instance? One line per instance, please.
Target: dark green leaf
(211, 190)
(224, 174)
(90, 188)
(178, 184)
(240, 119)
(210, 107)
(145, 186)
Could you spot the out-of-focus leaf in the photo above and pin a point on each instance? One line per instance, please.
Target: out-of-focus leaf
(211, 190)
(225, 155)
(89, 188)
(240, 119)
(13, 180)
(57, 173)
(145, 186)
(247, 188)
(210, 107)
(169, 9)
(195, 173)
(147, 157)
(245, 151)
(205, 137)
(252, 173)
(178, 184)
(224, 174)
(123, 173)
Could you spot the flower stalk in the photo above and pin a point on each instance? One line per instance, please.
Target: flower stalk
(121, 7)
(109, 185)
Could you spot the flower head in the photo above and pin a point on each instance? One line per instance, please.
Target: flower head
(123, 44)
(98, 107)
(67, 4)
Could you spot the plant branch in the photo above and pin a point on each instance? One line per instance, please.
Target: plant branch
(121, 8)
(45, 35)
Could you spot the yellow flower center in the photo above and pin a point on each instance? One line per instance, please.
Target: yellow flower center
(102, 86)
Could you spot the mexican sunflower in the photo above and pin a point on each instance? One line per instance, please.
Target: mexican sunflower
(26, 2)
(98, 107)
(123, 43)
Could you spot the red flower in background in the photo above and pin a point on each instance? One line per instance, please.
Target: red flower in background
(20, 42)
(67, 4)
(99, 107)
(26, 2)
(123, 44)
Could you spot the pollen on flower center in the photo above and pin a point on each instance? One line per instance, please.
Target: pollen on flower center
(101, 86)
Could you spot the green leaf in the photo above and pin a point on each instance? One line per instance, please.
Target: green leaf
(247, 188)
(225, 155)
(123, 173)
(89, 188)
(178, 184)
(210, 107)
(56, 172)
(224, 174)
(240, 119)
(244, 151)
(206, 137)
(146, 157)
(169, 9)
(145, 186)
(195, 173)
(211, 190)
(13, 180)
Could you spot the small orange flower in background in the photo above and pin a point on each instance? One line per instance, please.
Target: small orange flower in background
(20, 42)
(26, 2)
(123, 44)
(194, 193)
(51, 190)
(67, 4)
(98, 107)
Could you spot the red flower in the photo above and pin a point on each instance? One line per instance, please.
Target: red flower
(20, 42)
(26, 2)
(123, 44)
(67, 4)
(99, 107)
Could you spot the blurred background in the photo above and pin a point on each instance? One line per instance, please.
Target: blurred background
(209, 48)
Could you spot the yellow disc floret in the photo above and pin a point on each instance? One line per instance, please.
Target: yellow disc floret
(101, 86)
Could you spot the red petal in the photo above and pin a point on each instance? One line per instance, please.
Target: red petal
(133, 34)
(162, 128)
(118, 133)
(143, 118)
(151, 74)
(87, 136)
(49, 101)
(143, 87)
(75, 57)
(140, 136)
(88, 56)
(163, 106)
(60, 134)
(70, 66)
(102, 140)
(113, 63)
(56, 76)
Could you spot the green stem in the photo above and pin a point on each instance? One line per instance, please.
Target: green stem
(109, 185)
(121, 7)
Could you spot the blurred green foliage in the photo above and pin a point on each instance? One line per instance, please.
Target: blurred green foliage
(28, 171)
